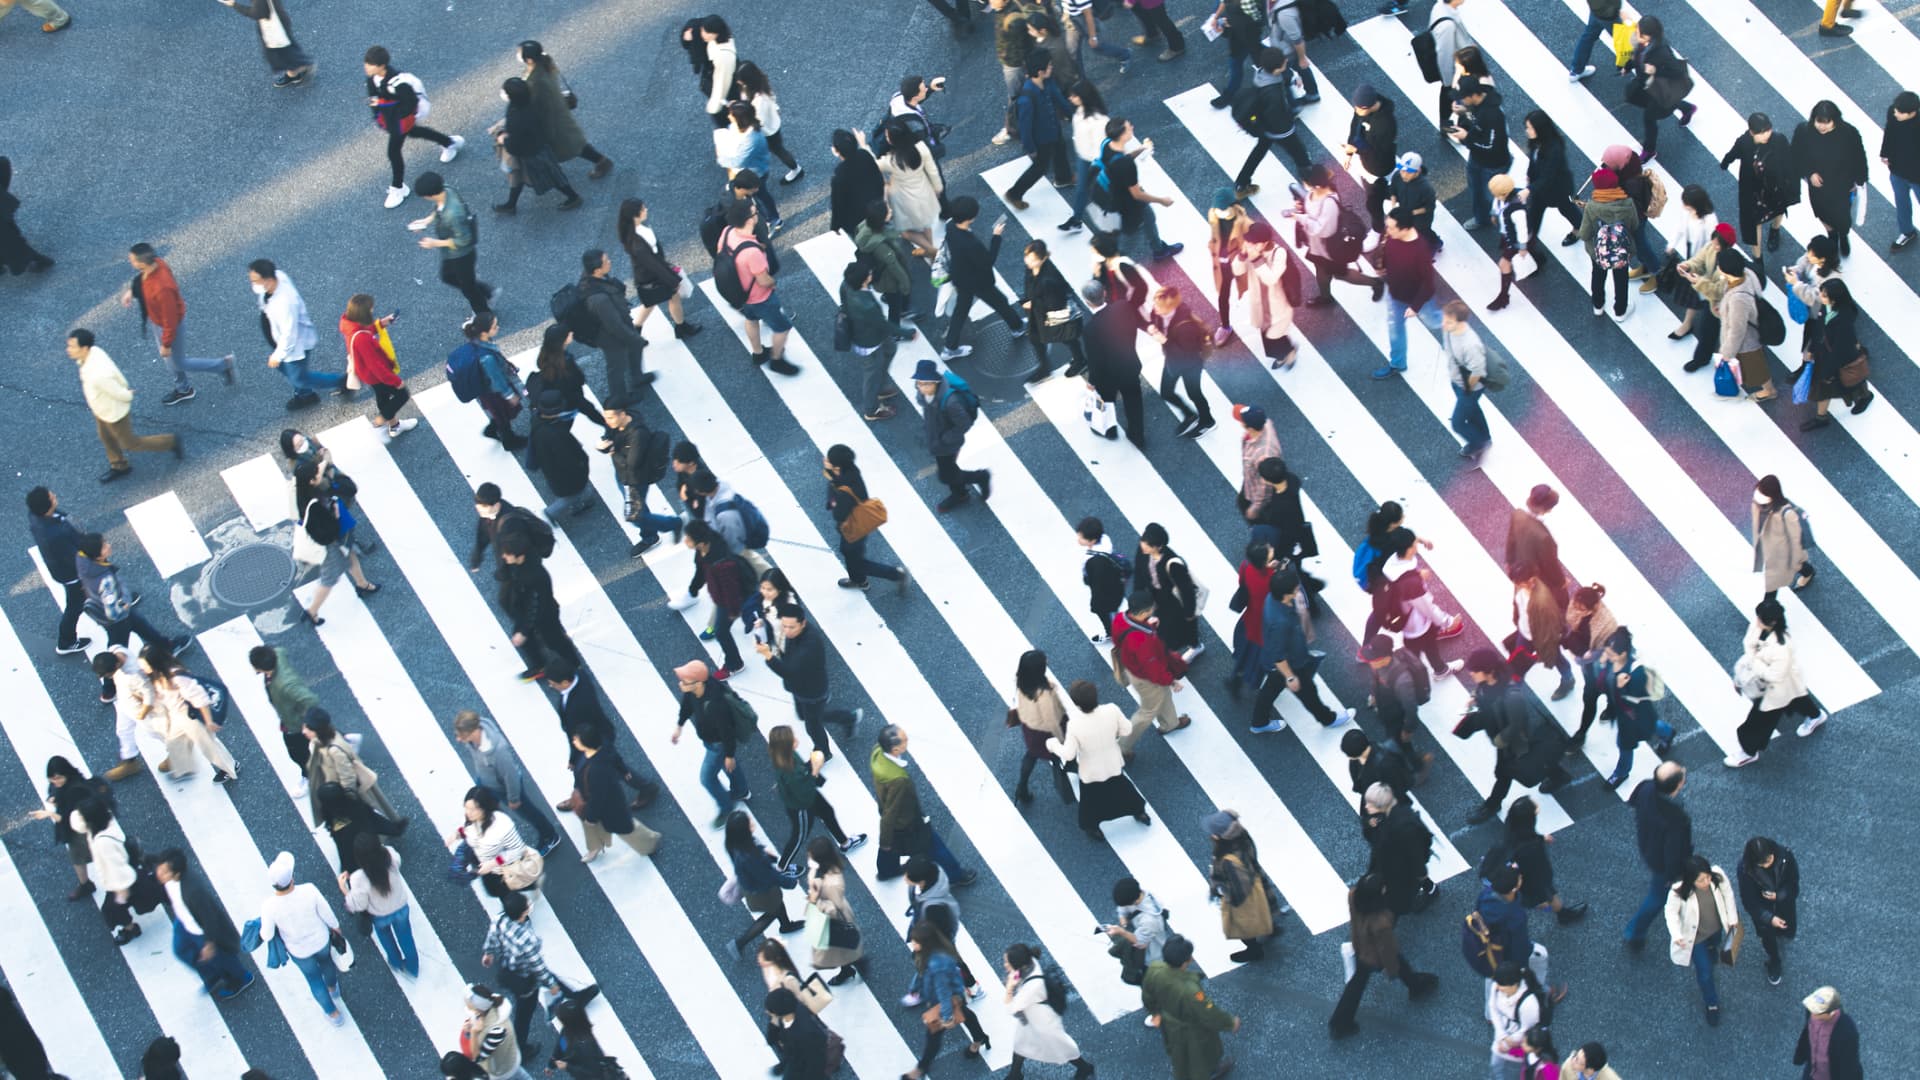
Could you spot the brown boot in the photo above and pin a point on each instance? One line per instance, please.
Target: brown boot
(600, 168)
(127, 767)
(166, 764)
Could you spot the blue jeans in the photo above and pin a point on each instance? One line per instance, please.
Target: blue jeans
(1397, 328)
(1083, 186)
(1477, 177)
(1468, 421)
(1236, 71)
(322, 977)
(1583, 48)
(1648, 253)
(307, 381)
(1651, 907)
(394, 932)
(223, 968)
(888, 862)
(711, 769)
(1706, 954)
(1077, 43)
(180, 363)
(1904, 191)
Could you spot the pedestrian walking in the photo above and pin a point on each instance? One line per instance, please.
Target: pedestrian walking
(289, 330)
(1515, 225)
(58, 540)
(333, 758)
(1601, 17)
(798, 780)
(1051, 315)
(1175, 594)
(67, 790)
(905, 830)
(456, 233)
(556, 369)
(739, 244)
(714, 55)
(758, 878)
(798, 1037)
(1781, 539)
(1701, 917)
(970, 269)
(515, 948)
(1395, 680)
(1190, 1023)
(720, 727)
(16, 255)
(487, 1036)
(1038, 997)
(555, 100)
(1539, 627)
(1243, 23)
(285, 58)
(1526, 747)
(939, 971)
(399, 103)
(1403, 604)
(1122, 197)
(1183, 344)
(1608, 228)
(1661, 82)
(576, 1048)
(1113, 358)
(1011, 43)
(495, 518)
(655, 281)
(858, 515)
(1332, 236)
(1041, 716)
(1632, 689)
(1287, 662)
(154, 290)
(1768, 674)
(856, 179)
(532, 611)
(110, 602)
(563, 461)
(1374, 949)
(127, 889)
(1832, 159)
(204, 937)
(1042, 115)
(740, 147)
(1401, 843)
(1702, 274)
(478, 371)
(1479, 125)
(1143, 663)
(722, 573)
(371, 359)
(1769, 181)
(110, 400)
(890, 258)
(1549, 176)
(915, 188)
(1448, 30)
(305, 925)
(597, 798)
(1515, 1006)
(168, 699)
(376, 888)
(639, 458)
(1590, 623)
(1769, 880)
(1830, 1041)
(840, 946)
(1095, 736)
(1839, 359)
(1255, 576)
(1900, 153)
(1531, 548)
(1271, 279)
(930, 899)
(321, 540)
(493, 765)
(872, 335)
(950, 407)
(1139, 930)
(528, 144)
(1664, 833)
(750, 85)
(1250, 906)
(1525, 848)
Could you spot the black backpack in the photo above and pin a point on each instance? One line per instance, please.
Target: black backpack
(1321, 19)
(539, 533)
(1426, 53)
(1056, 987)
(569, 308)
(1773, 329)
(1417, 671)
(1483, 952)
(726, 274)
(1350, 232)
(656, 453)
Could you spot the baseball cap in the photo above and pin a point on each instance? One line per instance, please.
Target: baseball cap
(1408, 162)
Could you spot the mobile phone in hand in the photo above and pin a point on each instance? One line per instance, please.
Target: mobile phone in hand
(1001, 223)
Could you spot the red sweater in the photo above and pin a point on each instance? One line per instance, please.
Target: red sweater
(1143, 655)
(161, 295)
(369, 361)
(1256, 581)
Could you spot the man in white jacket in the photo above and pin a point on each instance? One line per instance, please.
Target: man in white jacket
(110, 400)
(285, 319)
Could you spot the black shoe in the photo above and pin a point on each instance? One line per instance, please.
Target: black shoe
(1773, 238)
(1835, 30)
(780, 365)
(846, 975)
(966, 878)
(1221, 102)
(1860, 406)
(1904, 241)
(1571, 913)
(985, 486)
(1248, 955)
(686, 330)
(1773, 973)
(111, 475)
(1713, 1011)
(179, 448)
(305, 399)
(1323, 300)
(1483, 812)
(1498, 303)
(1815, 422)
(1694, 365)
(1072, 224)
(953, 502)
(176, 396)
(1342, 1030)
(573, 202)
(506, 208)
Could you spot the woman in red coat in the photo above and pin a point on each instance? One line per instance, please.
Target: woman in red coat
(370, 362)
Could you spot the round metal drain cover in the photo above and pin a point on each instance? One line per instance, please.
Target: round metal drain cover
(996, 353)
(252, 574)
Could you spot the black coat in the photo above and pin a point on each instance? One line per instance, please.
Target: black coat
(1113, 358)
(970, 262)
(856, 182)
(1786, 889)
(802, 1047)
(1401, 847)
(1375, 137)
(526, 596)
(1549, 177)
(212, 916)
(1663, 830)
(562, 458)
(1768, 182)
(583, 709)
(597, 778)
(802, 665)
(1382, 767)
(1841, 160)
(619, 341)
(1834, 346)
(1843, 1051)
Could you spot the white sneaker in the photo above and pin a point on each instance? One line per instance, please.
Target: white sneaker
(1621, 316)
(1344, 716)
(397, 195)
(1584, 73)
(401, 427)
(1194, 653)
(1741, 761)
(1811, 724)
(683, 601)
(300, 787)
(956, 352)
(1001, 138)
(450, 152)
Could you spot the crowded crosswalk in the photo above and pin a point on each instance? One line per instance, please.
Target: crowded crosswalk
(1651, 469)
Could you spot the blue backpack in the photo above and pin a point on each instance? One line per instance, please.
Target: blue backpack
(466, 371)
(755, 523)
(969, 399)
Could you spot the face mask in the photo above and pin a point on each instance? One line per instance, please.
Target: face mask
(1761, 500)
(259, 289)
(505, 98)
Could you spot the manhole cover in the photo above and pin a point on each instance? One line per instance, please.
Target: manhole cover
(251, 574)
(998, 354)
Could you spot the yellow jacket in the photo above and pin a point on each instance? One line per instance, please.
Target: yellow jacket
(106, 390)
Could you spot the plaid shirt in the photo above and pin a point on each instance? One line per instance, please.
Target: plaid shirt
(513, 942)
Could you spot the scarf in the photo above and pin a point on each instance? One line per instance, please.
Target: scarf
(1612, 194)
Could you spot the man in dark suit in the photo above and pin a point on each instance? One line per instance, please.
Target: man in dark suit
(1531, 547)
(577, 701)
(1113, 362)
(204, 938)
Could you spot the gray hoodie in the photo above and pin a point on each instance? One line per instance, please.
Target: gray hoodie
(492, 762)
(101, 581)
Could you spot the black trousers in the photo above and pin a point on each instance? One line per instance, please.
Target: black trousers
(959, 11)
(1503, 778)
(1155, 23)
(1536, 212)
(76, 600)
(118, 634)
(957, 478)
(1172, 377)
(813, 713)
(461, 273)
(1060, 781)
(1074, 346)
(1051, 155)
(1349, 1004)
(963, 308)
(1599, 286)
(1757, 729)
(298, 748)
(547, 639)
(1296, 150)
(1325, 270)
(1128, 394)
(800, 826)
(396, 140)
(1309, 696)
(931, 1048)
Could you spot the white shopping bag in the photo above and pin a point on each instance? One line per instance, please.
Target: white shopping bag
(1100, 414)
(1347, 959)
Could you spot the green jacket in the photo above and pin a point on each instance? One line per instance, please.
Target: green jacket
(887, 251)
(1600, 213)
(1011, 42)
(867, 321)
(289, 694)
(903, 827)
(797, 789)
(1190, 1023)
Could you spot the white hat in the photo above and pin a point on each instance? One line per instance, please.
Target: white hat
(280, 870)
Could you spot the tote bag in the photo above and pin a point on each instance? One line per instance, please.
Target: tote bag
(306, 549)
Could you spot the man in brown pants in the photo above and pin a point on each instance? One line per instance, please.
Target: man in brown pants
(111, 401)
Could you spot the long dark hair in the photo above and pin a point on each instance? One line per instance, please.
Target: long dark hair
(1696, 865)
(902, 145)
(840, 456)
(553, 351)
(489, 803)
(1839, 297)
(931, 939)
(1383, 521)
(751, 79)
(623, 226)
(61, 767)
(1091, 103)
(740, 833)
(1772, 618)
(1030, 677)
(1769, 485)
(375, 861)
(1523, 817)
(1545, 131)
(535, 53)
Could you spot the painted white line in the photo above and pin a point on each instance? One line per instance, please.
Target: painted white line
(168, 534)
(264, 492)
(642, 699)
(238, 876)
(659, 926)
(1675, 501)
(1880, 33)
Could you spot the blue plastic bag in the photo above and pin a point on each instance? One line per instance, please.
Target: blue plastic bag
(1726, 381)
(1803, 386)
(1796, 308)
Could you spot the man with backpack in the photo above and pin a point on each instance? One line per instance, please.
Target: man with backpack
(639, 461)
(1041, 113)
(1498, 928)
(949, 407)
(1117, 184)
(1528, 741)
(1401, 845)
(1399, 685)
(710, 705)
(1243, 23)
(604, 302)
(526, 597)
(478, 371)
(1266, 113)
(1434, 47)
(739, 522)
(498, 518)
(457, 234)
(1479, 125)
(399, 103)
(744, 278)
(1104, 574)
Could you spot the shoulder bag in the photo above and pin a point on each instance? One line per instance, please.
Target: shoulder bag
(525, 871)
(306, 549)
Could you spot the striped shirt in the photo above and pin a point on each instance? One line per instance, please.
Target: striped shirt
(513, 942)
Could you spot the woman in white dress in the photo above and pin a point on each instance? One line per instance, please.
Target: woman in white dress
(1039, 1003)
